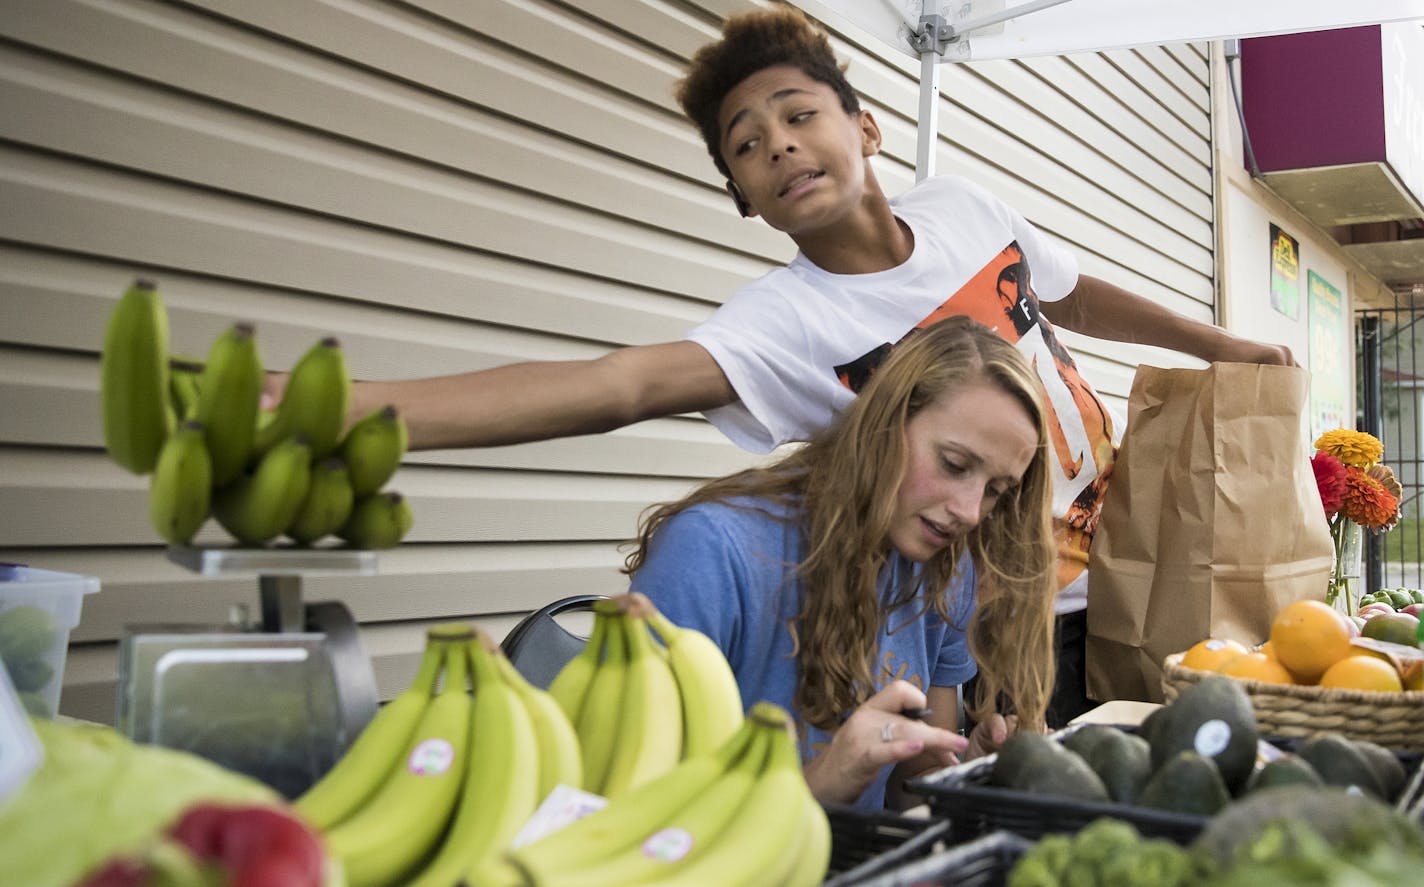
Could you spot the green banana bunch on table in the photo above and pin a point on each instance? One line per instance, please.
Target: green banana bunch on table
(197, 427)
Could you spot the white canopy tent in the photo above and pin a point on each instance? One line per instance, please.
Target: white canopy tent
(938, 32)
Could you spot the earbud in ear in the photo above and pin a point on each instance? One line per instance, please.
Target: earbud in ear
(742, 206)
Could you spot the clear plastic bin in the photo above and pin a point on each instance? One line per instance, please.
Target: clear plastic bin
(38, 610)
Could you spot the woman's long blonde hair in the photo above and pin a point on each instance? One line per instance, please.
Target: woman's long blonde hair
(843, 486)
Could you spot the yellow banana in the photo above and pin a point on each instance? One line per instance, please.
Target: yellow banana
(807, 867)
(228, 397)
(752, 851)
(502, 778)
(571, 683)
(384, 841)
(257, 508)
(560, 761)
(373, 449)
(179, 491)
(183, 388)
(626, 822)
(711, 701)
(376, 751)
(378, 521)
(497, 872)
(669, 845)
(648, 741)
(597, 724)
(328, 504)
(133, 379)
(314, 401)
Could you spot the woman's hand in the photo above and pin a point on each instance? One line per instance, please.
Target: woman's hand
(989, 734)
(874, 736)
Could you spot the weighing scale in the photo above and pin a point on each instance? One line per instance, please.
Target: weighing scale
(279, 700)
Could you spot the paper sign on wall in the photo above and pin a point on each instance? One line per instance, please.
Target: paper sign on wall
(1329, 346)
(1285, 273)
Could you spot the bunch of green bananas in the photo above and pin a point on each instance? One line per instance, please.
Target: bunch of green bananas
(198, 428)
(738, 816)
(641, 706)
(438, 784)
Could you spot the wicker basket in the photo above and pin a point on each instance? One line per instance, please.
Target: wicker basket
(1394, 720)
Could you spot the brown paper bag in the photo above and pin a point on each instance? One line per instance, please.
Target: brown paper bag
(1211, 524)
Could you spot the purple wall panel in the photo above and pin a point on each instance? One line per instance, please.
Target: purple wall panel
(1314, 99)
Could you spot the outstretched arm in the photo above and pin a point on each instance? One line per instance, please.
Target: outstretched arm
(539, 400)
(1107, 311)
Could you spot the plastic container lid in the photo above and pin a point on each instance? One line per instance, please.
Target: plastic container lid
(48, 580)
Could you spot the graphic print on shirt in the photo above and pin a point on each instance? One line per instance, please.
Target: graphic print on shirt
(1001, 296)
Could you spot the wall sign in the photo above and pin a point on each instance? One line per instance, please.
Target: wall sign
(1329, 346)
(1285, 273)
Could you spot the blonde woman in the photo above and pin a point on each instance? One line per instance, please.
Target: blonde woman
(869, 571)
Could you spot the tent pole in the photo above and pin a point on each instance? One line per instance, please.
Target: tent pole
(928, 139)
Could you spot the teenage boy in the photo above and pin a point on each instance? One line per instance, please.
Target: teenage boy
(778, 360)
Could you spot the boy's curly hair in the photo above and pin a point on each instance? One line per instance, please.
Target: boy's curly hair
(751, 42)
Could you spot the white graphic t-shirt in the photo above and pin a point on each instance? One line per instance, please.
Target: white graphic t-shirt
(800, 342)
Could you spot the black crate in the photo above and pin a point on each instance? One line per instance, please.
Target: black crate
(963, 795)
(983, 862)
(864, 842)
(1411, 800)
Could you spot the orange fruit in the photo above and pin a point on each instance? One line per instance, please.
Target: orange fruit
(1267, 649)
(1414, 676)
(1362, 673)
(1212, 653)
(1257, 667)
(1309, 636)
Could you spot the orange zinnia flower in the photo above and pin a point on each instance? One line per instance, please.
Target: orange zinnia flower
(1367, 502)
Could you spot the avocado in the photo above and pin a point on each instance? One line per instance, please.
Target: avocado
(1388, 769)
(1150, 723)
(26, 632)
(1123, 762)
(1014, 756)
(1038, 764)
(1340, 763)
(1289, 770)
(1188, 783)
(1213, 718)
(29, 674)
(1083, 739)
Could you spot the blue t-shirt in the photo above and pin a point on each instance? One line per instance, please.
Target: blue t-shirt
(730, 572)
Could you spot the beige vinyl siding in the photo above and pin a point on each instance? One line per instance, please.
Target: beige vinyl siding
(448, 185)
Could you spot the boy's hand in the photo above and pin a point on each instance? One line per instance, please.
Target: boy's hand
(273, 385)
(1246, 351)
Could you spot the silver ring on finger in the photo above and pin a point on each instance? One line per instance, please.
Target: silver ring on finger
(887, 732)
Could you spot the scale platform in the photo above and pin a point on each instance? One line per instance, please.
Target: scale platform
(279, 702)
